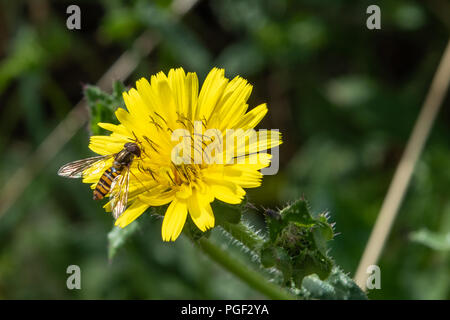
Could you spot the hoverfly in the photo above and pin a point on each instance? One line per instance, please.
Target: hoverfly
(114, 179)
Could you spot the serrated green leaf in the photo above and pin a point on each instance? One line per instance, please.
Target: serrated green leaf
(322, 233)
(102, 105)
(338, 286)
(298, 213)
(118, 236)
(310, 262)
(118, 89)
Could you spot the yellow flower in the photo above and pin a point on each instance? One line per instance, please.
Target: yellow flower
(168, 118)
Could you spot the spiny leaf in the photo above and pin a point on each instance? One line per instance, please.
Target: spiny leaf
(298, 213)
(103, 105)
(311, 262)
(297, 243)
(118, 236)
(338, 286)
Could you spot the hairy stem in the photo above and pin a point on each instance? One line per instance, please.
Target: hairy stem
(242, 271)
(243, 233)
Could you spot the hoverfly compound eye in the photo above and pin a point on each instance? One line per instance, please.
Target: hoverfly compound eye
(133, 148)
(136, 151)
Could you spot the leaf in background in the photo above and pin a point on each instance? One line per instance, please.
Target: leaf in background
(433, 240)
(103, 105)
(350, 90)
(241, 58)
(26, 53)
(119, 24)
(118, 236)
(184, 45)
(408, 16)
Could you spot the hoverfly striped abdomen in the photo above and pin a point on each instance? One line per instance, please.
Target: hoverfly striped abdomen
(121, 160)
(104, 184)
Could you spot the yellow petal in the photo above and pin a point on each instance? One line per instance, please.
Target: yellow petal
(105, 145)
(178, 88)
(184, 192)
(251, 118)
(200, 210)
(136, 123)
(150, 97)
(227, 191)
(246, 176)
(131, 213)
(118, 129)
(136, 105)
(163, 98)
(233, 104)
(174, 220)
(192, 94)
(157, 196)
(211, 92)
(251, 141)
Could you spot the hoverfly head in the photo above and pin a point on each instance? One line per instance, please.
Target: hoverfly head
(133, 148)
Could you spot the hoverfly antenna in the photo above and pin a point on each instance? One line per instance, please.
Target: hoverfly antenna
(139, 143)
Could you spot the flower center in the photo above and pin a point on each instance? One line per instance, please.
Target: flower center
(185, 173)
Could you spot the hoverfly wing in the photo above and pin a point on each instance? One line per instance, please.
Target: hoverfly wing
(119, 192)
(76, 168)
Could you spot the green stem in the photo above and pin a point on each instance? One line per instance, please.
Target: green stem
(243, 233)
(239, 269)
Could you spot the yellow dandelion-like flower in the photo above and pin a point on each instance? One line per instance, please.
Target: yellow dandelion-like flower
(195, 146)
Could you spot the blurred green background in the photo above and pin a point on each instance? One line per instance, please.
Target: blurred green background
(344, 97)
